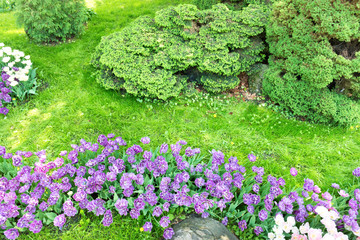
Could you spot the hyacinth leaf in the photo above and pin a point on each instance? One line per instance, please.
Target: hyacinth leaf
(51, 216)
(252, 221)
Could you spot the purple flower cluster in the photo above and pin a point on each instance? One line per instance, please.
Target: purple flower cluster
(141, 182)
(5, 91)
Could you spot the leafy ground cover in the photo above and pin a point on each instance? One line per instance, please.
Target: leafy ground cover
(73, 106)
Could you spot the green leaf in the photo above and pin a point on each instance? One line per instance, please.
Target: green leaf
(51, 216)
(171, 217)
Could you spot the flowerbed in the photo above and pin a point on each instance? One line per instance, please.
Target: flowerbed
(18, 78)
(107, 177)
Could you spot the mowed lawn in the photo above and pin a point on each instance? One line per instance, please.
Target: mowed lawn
(73, 106)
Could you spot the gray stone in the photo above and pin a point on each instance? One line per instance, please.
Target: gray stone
(197, 228)
(256, 77)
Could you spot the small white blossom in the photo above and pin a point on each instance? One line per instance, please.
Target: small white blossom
(6, 59)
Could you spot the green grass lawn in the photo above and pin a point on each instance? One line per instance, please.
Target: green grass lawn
(74, 106)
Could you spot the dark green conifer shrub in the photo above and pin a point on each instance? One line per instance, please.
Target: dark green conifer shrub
(52, 21)
(315, 64)
(233, 4)
(156, 57)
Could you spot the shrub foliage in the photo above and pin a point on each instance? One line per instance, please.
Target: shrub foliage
(236, 4)
(49, 21)
(155, 57)
(314, 67)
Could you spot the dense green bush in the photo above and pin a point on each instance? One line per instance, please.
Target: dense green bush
(233, 4)
(6, 5)
(156, 57)
(51, 21)
(314, 67)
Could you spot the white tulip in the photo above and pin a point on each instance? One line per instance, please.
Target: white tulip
(7, 50)
(11, 64)
(304, 228)
(6, 59)
(333, 215)
(328, 237)
(291, 221)
(24, 78)
(271, 236)
(13, 83)
(279, 219)
(295, 230)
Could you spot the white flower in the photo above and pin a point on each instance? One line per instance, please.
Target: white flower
(295, 230)
(24, 78)
(347, 227)
(328, 237)
(304, 228)
(271, 236)
(70, 193)
(315, 234)
(11, 64)
(291, 221)
(17, 59)
(27, 57)
(1, 53)
(341, 236)
(333, 215)
(277, 230)
(281, 237)
(321, 210)
(6, 59)
(7, 50)
(357, 233)
(6, 69)
(279, 220)
(286, 227)
(13, 83)
(27, 62)
(2, 44)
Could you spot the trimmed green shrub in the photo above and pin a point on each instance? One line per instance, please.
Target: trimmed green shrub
(51, 21)
(233, 4)
(314, 67)
(156, 57)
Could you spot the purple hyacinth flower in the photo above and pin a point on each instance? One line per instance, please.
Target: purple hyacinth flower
(145, 140)
(164, 148)
(293, 172)
(263, 215)
(356, 172)
(157, 211)
(11, 233)
(252, 158)
(164, 221)
(36, 226)
(205, 215)
(168, 233)
(258, 230)
(256, 188)
(242, 225)
(17, 160)
(108, 219)
(225, 221)
(147, 227)
(60, 220)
